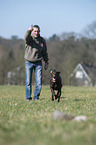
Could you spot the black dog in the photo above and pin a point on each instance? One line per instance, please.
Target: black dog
(55, 85)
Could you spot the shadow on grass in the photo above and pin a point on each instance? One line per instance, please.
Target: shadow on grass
(79, 100)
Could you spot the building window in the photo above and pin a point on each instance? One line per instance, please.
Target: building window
(79, 74)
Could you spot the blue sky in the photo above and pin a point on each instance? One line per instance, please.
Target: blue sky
(53, 16)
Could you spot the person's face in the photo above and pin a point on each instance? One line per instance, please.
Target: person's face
(35, 32)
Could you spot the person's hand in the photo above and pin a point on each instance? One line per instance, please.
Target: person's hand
(31, 28)
(46, 65)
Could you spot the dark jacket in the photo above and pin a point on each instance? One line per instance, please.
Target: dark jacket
(35, 48)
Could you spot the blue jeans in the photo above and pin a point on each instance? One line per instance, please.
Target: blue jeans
(37, 67)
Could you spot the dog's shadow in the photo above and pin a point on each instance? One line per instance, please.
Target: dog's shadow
(62, 97)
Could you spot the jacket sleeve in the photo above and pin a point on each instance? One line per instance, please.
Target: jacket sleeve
(45, 53)
(28, 37)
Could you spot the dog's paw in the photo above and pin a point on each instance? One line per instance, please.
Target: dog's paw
(58, 99)
(52, 98)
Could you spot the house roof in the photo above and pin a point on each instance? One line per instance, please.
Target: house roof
(78, 68)
(90, 69)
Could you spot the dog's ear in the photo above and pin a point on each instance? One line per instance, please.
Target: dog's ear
(58, 72)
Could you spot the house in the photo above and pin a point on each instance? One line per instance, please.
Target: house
(80, 77)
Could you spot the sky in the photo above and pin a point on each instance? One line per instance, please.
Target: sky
(53, 16)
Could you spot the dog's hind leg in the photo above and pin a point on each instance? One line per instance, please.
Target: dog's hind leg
(56, 97)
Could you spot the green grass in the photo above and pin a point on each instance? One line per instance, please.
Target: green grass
(31, 123)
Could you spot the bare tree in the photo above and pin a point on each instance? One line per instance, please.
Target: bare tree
(90, 31)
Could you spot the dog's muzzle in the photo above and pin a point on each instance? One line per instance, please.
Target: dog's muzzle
(54, 80)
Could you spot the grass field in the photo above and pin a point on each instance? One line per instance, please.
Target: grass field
(31, 123)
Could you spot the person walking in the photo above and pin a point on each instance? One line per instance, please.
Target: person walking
(35, 52)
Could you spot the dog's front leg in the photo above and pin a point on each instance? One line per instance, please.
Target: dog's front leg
(52, 98)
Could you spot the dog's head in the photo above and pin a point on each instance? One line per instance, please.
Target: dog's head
(54, 75)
